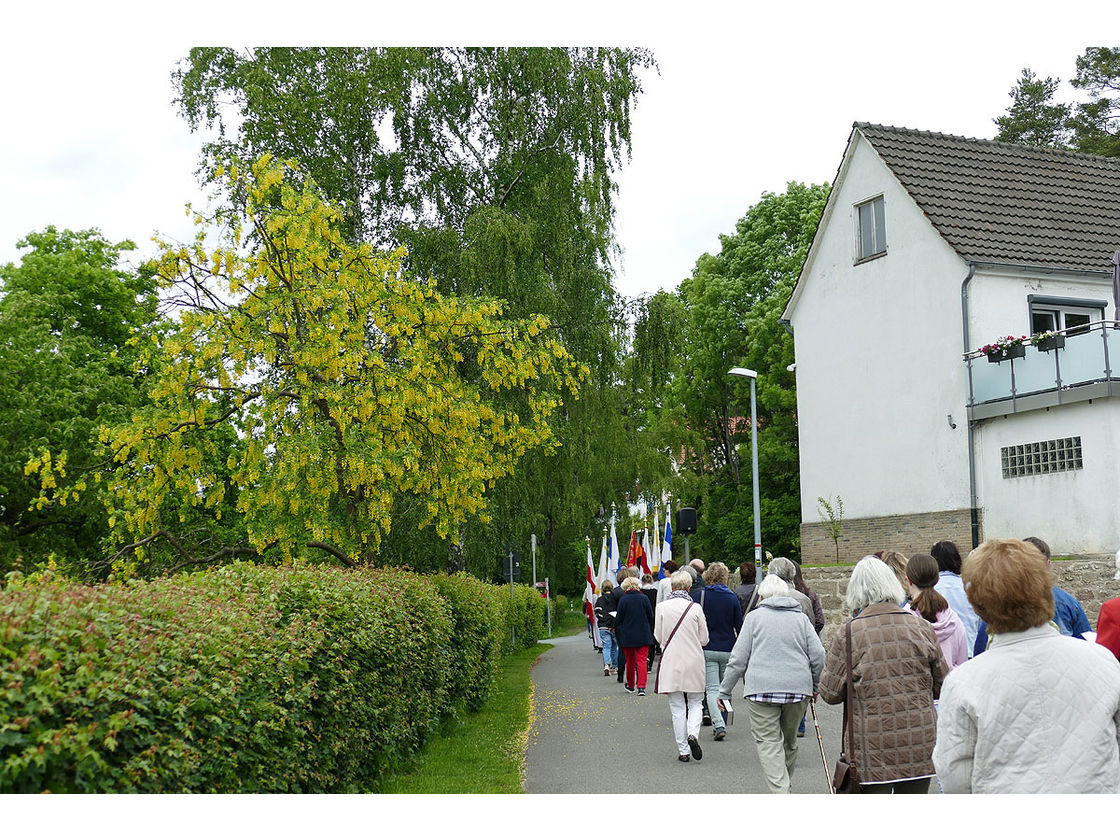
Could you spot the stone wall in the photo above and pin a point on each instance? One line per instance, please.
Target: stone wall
(1091, 580)
(908, 534)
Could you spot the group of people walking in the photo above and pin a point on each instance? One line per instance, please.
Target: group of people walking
(977, 674)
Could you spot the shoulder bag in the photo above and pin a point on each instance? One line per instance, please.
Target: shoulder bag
(657, 678)
(846, 777)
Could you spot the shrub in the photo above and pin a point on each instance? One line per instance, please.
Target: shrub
(241, 678)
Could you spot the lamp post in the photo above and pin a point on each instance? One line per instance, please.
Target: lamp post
(752, 376)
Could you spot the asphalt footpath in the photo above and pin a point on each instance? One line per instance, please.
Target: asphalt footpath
(586, 728)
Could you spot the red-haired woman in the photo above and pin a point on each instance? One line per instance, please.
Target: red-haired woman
(1039, 712)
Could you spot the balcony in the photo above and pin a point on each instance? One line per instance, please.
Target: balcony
(1079, 371)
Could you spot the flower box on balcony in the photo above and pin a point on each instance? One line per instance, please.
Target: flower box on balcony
(1001, 354)
(1051, 342)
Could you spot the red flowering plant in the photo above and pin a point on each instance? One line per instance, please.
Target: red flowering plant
(1002, 345)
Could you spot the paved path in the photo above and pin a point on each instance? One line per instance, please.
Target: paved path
(586, 730)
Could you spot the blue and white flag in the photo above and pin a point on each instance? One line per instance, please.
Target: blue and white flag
(667, 545)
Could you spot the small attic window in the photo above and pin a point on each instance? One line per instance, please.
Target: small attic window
(872, 229)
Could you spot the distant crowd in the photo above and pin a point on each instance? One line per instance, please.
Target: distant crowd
(984, 675)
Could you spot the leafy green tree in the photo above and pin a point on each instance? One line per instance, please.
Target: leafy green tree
(1092, 126)
(1096, 124)
(1033, 118)
(67, 314)
(495, 168)
(733, 303)
(342, 374)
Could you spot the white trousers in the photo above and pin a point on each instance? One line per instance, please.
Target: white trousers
(688, 713)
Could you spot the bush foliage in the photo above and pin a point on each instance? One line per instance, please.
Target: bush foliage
(243, 678)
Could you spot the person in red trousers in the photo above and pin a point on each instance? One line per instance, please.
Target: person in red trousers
(633, 629)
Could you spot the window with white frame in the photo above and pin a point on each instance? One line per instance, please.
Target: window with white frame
(1057, 313)
(871, 229)
(1041, 458)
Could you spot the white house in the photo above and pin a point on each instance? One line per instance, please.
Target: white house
(930, 247)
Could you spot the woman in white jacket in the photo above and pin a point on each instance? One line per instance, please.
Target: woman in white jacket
(682, 632)
(1039, 712)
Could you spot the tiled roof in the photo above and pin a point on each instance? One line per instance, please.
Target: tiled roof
(1006, 203)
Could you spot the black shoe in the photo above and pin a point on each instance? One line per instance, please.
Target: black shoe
(694, 745)
(720, 734)
(682, 758)
(707, 721)
(641, 692)
(629, 690)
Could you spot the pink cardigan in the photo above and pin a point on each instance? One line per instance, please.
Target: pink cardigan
(950, 635)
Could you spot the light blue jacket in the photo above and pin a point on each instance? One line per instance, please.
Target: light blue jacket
(952, 589)
(777, 650)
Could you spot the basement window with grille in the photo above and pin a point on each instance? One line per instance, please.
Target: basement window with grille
(1042, 458)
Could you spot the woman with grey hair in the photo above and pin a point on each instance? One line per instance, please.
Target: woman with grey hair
(897, 671)
(779, 657)
(682, 632)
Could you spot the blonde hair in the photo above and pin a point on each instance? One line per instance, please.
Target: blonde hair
(631, 583)
(896, 562)
(715, 573)
(681, 579)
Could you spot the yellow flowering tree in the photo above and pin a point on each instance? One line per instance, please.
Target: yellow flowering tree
(348, 386)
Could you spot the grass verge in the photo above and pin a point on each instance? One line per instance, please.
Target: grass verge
(483, 752)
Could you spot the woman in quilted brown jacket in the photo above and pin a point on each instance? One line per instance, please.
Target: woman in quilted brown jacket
(897, 671)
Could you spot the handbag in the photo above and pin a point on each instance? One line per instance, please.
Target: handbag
(657, 677)
(845, 779)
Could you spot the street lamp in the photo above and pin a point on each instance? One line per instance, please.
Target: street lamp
(752, 376)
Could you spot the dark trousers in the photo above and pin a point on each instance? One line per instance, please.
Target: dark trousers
(912, 786)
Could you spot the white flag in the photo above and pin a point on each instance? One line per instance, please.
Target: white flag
(603, 570)
(616, 559)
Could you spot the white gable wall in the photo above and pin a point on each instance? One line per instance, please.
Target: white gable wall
(878, 350)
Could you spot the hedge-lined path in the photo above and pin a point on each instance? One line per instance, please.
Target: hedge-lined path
(588, 736)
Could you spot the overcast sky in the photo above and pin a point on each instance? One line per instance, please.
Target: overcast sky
(745, 101)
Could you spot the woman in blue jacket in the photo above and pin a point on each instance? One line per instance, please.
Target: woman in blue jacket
(724, 615)
(633, 630)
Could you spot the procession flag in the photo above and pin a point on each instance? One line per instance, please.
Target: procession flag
(667, 545)
(603, 570)
(589, 600)
(655, 548)
(632, 553)
(616, 558)
(644, 548)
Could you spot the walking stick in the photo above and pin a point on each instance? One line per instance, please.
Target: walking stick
(820, 743)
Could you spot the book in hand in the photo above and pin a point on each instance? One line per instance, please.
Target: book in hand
(727, 711)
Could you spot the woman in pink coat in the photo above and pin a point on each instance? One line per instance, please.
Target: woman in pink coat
(922, 574)
(682, 632)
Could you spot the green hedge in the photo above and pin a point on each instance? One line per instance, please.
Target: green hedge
(243, 678)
